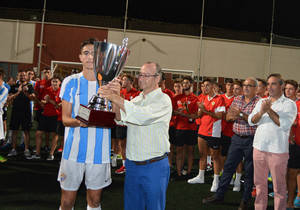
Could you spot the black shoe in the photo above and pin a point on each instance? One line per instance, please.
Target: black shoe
(243, 205)
(212, 199)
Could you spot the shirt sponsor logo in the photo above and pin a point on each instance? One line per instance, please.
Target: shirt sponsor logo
(63, 177)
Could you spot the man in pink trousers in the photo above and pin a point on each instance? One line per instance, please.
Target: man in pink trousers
(274, 117)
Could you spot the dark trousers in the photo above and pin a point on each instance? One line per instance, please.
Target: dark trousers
(240, 147)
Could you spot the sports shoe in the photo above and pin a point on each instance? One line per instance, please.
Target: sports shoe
(114, 162)
(212, 200)
(27, 153)
(297, 202)
(214, 186)
(196, 180)
(50, 157)
(12, 153)
(2, 159)
(121, 170)
(236, 187)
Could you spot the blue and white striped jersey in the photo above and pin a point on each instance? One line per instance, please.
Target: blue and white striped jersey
(3, 96)
(84, 145)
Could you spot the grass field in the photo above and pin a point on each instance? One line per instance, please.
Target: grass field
(31, 185)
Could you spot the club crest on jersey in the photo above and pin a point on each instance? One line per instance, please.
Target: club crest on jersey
(213, 103)
(63, 177)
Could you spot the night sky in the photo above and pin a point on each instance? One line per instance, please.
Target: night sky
(245, 15)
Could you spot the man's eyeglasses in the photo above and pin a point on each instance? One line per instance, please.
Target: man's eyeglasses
(147, 75)
(249, 86)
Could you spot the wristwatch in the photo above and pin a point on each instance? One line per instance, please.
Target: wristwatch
(241, 114)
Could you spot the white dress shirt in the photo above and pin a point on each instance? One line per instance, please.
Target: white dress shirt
(147, 118)
(270, 137)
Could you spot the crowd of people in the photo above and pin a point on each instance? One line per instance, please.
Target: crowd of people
(252, 129)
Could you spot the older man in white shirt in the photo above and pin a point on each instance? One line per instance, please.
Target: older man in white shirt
(274, 117)
(147, 118)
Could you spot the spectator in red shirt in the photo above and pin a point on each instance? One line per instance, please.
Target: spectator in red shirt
(177, 86)
(52, 99)
(211, 111)
(128, 92)
(39, 89)
(185, 109)
(48, 124)
(294, 148)
(227, 132)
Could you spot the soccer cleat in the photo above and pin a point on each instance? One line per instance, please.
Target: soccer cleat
(196, 180)
(121, 170)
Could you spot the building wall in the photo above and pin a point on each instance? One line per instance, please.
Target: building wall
(219, 58)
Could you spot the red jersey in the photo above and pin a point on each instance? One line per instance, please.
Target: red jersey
(211, 126)
(130, 94)
(171, 95)
(49, 109)
(227, 126)
(296, 128)
(189, 105)
(40, 88)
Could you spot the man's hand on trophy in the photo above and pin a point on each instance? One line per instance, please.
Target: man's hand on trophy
(106, 92)
(115, 85)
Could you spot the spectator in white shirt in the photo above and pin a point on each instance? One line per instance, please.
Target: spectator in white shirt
(147, 118)
(274, 117)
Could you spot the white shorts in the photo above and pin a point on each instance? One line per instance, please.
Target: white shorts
(71, 173)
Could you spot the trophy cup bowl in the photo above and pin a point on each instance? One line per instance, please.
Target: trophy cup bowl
(109, 59)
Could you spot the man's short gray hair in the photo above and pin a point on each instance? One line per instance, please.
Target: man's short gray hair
(254, 80)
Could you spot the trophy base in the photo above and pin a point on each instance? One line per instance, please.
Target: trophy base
(96, 118)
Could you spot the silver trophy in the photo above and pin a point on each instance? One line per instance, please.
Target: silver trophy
(109, 59)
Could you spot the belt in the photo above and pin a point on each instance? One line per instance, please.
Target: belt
(152, 160)
(244, 137)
